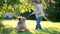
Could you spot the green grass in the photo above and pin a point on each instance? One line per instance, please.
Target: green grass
(47, 27)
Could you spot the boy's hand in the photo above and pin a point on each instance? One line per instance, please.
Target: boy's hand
(33, 12)
(29, 15)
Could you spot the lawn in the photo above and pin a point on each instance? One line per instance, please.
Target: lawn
(48, 27)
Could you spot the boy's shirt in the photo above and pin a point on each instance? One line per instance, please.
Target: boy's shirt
(39, 10)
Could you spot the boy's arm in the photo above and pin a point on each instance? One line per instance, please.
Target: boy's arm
(32, 13)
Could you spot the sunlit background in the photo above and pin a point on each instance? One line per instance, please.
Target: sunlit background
(10, 10)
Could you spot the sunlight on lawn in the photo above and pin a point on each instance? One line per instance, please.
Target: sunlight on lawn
(31, 25)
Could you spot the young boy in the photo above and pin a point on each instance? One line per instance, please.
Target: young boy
(21, 24)
(38, 11)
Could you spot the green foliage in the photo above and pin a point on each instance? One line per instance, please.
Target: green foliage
(15, 6)
(51, 9)
(12, 5)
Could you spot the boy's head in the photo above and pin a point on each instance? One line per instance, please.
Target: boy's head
(34, 2)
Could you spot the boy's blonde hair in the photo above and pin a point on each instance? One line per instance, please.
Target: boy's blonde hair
(35, 1)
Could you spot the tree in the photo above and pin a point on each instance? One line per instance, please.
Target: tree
(15, 6)
(52, 10)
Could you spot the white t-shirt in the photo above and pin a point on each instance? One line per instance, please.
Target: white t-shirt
(39, 10)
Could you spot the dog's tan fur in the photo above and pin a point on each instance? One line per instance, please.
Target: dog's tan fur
(21, 24)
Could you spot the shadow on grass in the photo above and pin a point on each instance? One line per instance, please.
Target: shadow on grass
(47, 31)
(10, 30)
(13, 31)
(43, 31)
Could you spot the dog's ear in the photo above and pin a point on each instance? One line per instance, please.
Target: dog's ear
(24, 18)
(19, 18)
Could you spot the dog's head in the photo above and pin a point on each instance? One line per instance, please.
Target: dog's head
(22, 19)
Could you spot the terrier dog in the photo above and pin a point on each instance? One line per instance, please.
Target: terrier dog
(21, 24)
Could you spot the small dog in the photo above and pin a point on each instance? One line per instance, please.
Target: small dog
(21, 24)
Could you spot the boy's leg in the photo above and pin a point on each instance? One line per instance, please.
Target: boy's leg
(38, 25)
